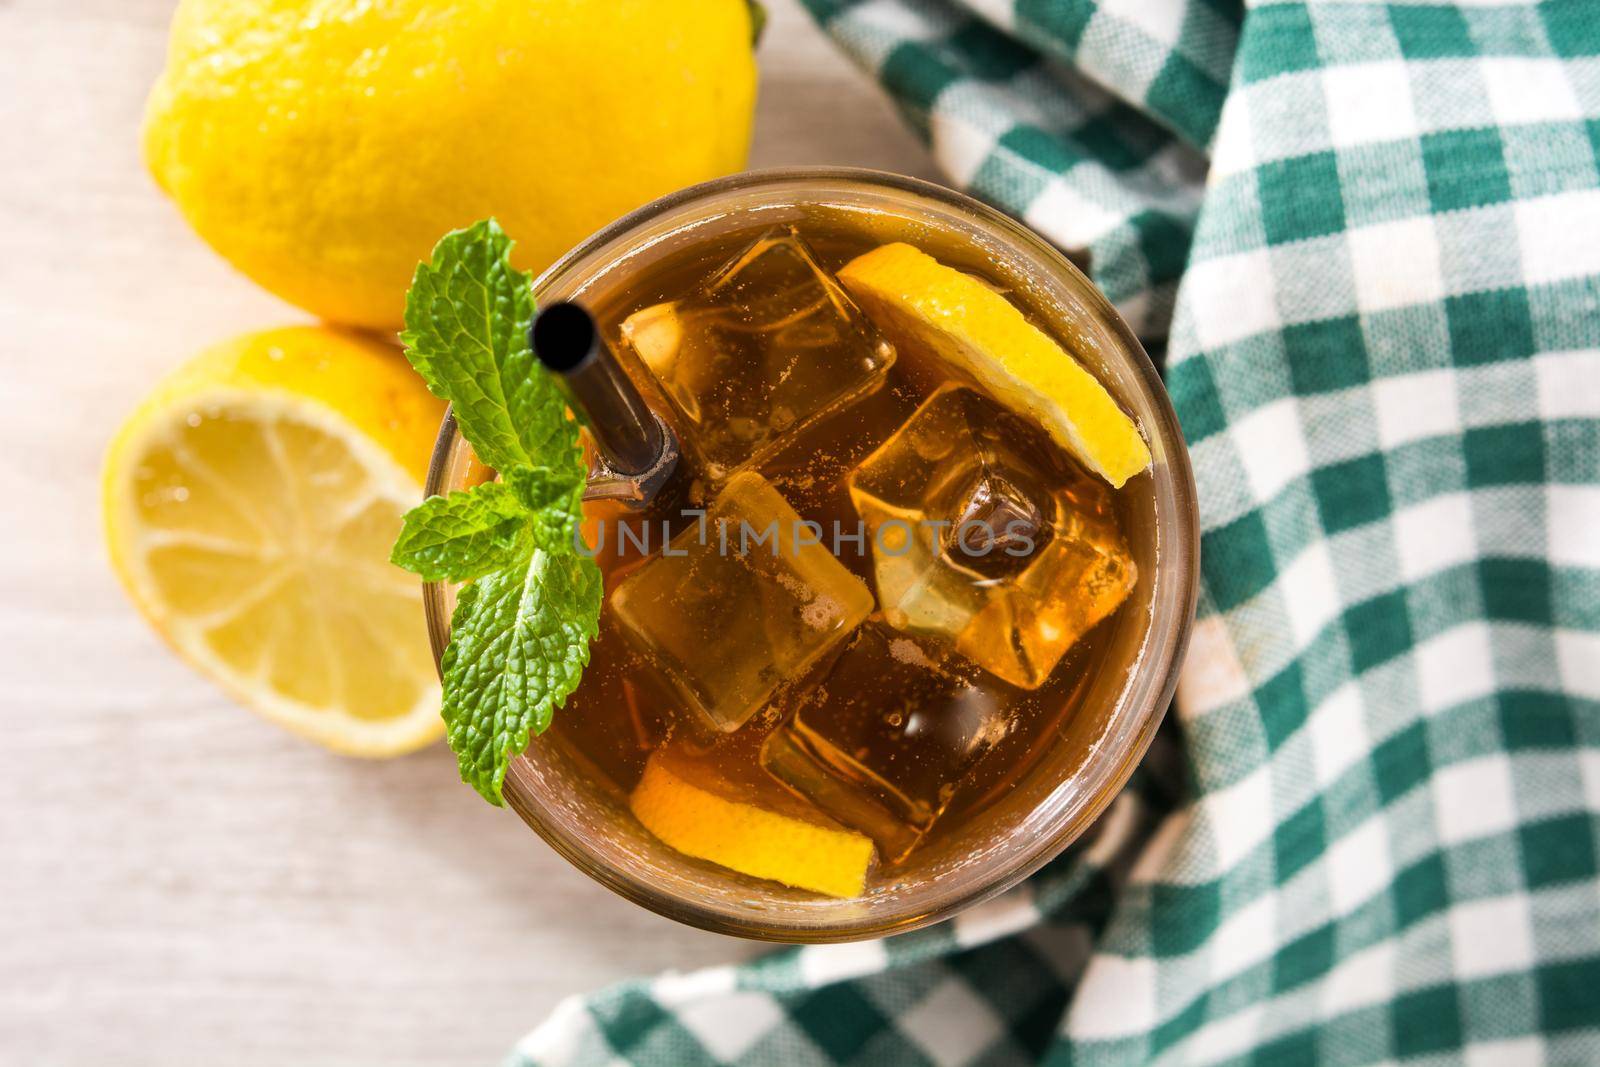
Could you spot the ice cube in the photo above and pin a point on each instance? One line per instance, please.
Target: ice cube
(885, 740)
(985, 535)
(739, 604)
(768, 345)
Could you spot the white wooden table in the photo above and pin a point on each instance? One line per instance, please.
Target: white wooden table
(181, 883)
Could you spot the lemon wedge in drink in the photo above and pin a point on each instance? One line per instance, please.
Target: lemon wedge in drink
(250, 504)
(692, 809)
(922, 304)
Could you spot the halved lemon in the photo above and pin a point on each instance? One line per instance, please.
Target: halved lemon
(251, 502)
(921, 303)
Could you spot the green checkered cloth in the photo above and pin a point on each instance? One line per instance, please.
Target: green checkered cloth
(1368, 237)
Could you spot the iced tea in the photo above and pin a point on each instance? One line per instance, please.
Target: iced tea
(884, 617)
(846, 625)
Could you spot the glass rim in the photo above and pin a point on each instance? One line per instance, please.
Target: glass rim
(1147, 693)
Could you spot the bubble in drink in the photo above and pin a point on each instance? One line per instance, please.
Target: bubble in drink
(984, 535)
(768, 345)
(739, 604)
(884, 741)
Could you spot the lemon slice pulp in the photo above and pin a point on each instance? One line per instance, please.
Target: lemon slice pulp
(251, 502)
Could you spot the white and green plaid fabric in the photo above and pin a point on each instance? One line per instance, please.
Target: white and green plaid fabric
(1369, 236)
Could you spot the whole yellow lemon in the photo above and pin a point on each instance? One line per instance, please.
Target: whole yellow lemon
(323, 146)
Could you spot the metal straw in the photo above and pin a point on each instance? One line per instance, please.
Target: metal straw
(638, 450)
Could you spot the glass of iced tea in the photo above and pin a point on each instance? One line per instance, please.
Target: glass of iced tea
(898, 633)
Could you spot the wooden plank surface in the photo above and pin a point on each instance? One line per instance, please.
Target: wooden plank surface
(181, 883)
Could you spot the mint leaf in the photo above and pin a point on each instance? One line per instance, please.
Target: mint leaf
(466, 534)
(555, 500)
(467, 318)
(542, 487)
(518, 645)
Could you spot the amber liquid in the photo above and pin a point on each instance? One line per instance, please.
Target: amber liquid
(623, 712)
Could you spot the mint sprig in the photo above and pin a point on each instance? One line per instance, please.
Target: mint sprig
(519, 638)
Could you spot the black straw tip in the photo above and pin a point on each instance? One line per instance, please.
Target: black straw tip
(563, 336)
